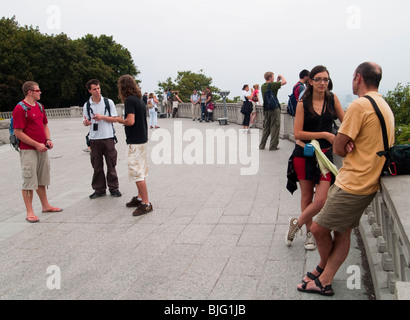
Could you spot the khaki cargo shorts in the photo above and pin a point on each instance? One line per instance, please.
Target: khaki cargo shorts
(137, 162)
(342, 210)
(35, 169)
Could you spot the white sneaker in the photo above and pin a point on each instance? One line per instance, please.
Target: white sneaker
(310, 243)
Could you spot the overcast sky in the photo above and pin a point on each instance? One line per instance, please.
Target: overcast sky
(235, 41)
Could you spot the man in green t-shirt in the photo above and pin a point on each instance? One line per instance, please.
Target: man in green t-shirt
(271, 118)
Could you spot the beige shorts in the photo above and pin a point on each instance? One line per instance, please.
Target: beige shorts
(35, 169)
(137, 162)
(342, 210)
(254, 107)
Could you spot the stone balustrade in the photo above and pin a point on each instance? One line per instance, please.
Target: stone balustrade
(384, 228)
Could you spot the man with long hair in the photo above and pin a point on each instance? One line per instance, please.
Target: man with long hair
(136, 131)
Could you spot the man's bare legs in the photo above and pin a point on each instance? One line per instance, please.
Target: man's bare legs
(332, 252)
(28, 202)
(142, 191)
(42, 194)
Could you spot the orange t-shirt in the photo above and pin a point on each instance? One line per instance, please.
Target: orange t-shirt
(361, 168)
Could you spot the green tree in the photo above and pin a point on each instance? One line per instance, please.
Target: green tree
(399, 101)
(60, 65)
(104, 50)
(186, 82)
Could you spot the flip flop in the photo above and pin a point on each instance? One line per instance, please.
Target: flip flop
(53, 209)
(33, 219)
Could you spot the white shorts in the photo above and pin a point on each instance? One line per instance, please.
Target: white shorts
(137, 162)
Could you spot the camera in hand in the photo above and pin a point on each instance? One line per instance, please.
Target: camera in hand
(95, 126)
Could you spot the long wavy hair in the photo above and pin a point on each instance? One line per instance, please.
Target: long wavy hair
(308, 95)
(128, 87)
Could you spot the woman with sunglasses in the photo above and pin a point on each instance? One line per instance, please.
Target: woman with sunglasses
(314, 118)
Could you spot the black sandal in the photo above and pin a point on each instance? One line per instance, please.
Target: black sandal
(324, 291)
(311, 276)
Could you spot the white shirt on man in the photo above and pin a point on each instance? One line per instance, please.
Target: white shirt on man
(105, 129)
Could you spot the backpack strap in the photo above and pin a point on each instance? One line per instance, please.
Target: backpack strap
(107, 108)
(26, 107)
(40, 106)
(383, 125)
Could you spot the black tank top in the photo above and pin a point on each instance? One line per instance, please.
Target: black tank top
(315, 122)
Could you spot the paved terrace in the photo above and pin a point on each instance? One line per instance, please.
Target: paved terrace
(213, 234)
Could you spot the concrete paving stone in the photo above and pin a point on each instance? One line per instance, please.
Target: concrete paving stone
(234, 287)
(195, 233)
(257, 235)
(276, 281)
(213, 234)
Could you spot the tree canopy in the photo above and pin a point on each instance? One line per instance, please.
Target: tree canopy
(186, 82)
(59, 65)
(399, 101)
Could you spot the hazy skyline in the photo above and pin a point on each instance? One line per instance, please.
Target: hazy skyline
(236, 42)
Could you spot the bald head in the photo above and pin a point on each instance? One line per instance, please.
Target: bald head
(371, 73)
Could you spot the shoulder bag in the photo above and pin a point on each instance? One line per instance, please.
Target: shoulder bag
(397, 156)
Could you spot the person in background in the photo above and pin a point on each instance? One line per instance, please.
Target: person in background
(153, 111)
(203, 105)
(300, 86)
(246, 99)
(195, 105)
(175, 102)
(169, 102)
(209, 105)
(271, 118)
(255, 101)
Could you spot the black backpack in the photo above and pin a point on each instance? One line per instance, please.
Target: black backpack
(270, 101)
(292, 103)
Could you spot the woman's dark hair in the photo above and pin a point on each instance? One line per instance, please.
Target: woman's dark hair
(307, 96)
(244, 86)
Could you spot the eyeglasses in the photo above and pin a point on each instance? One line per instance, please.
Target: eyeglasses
(38, 90)
(318, 80)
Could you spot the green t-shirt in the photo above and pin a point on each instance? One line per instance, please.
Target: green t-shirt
(275, 86)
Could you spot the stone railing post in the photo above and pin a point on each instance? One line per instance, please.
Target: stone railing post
(385, 230)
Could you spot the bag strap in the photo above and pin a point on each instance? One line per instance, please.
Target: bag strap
(107, 108)
(383, 125)
(26, 107)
